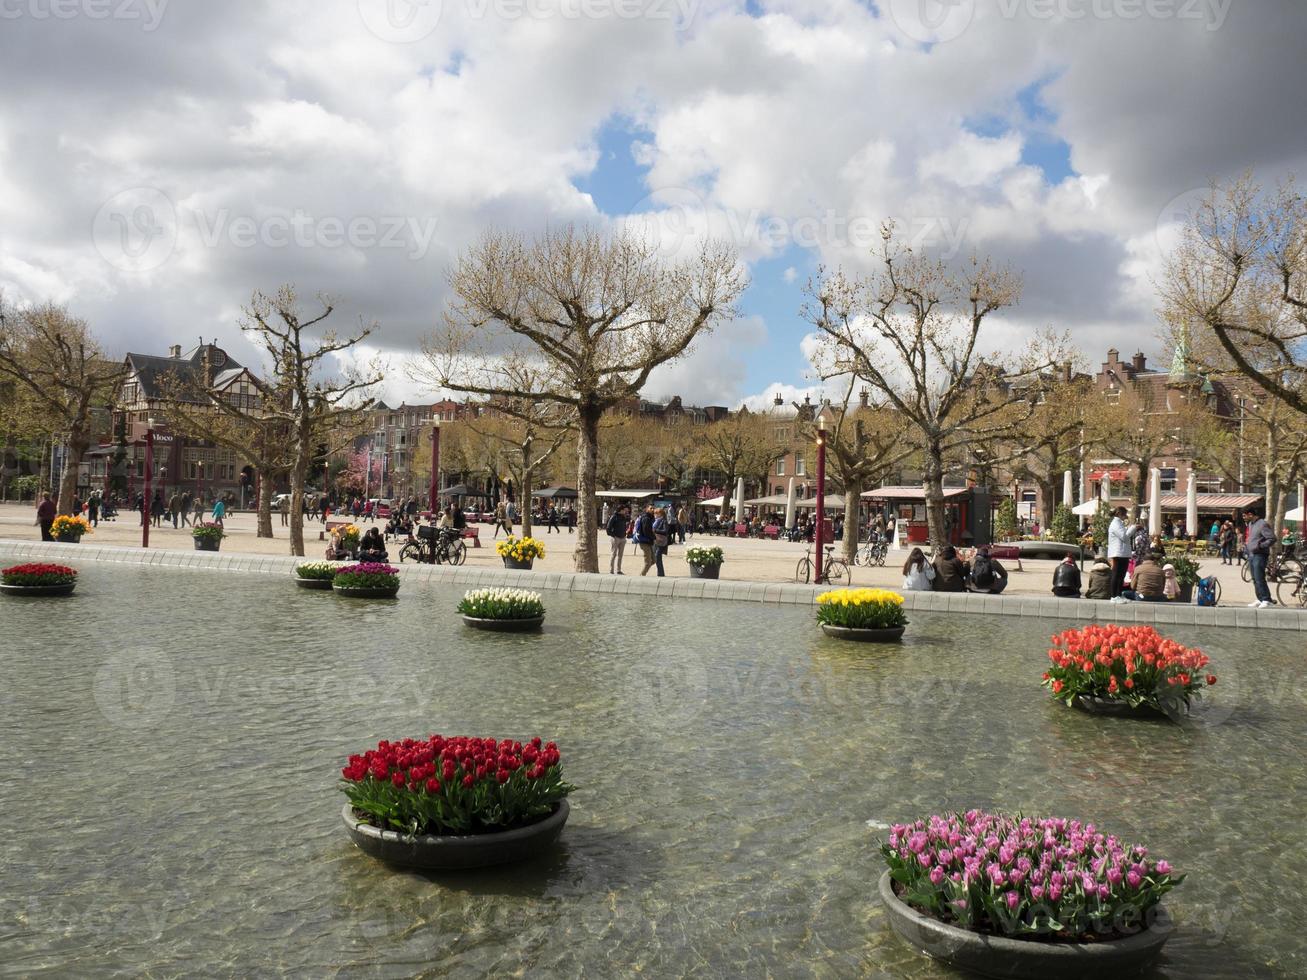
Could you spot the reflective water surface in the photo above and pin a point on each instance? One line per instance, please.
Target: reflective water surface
(170, 740)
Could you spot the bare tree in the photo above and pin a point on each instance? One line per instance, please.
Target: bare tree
(590, 317)
(741, 444)
(524, 436)
(61, 376)
(912, 332)
(1146, 423)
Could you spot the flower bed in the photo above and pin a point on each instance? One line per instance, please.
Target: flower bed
(69, 528)
(36, 575)
(455, 785)
(502, 604)
(704, 557)
(520, 549)
(317, 570)
(366, 575)
(1035, 879)
(861, 609)
(1134, 665)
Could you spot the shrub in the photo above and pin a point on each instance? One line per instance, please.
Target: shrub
(1102, 519)
(520, 549)
(1005, 519)
(366, 575)
(208, 532)
(455, 785)
(502, 604)
(1065, 526)
(1025, 878)
(38, 574)
(319, 570)
(861, 609)
(1187, 571)
(704, 556)
(1134, 664)
(66, 528)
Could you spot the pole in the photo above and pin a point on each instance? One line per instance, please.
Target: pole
(149, 478)
(821, 497)
(1241, 483)
(199, 470)
(434, 494)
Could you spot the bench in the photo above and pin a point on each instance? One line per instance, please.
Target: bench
(741, 530)
(772, 531)
(473, 534)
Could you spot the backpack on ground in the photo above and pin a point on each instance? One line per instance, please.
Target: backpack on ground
(1208, 591)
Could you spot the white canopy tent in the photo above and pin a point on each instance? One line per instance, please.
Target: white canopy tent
(626, 494)
(712, 502)
(1295, 515)
(1088, 509)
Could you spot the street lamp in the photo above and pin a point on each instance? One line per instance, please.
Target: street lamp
(149, 477)
(435, 467)
(821, 494)
(199, 481)
(1242, 400)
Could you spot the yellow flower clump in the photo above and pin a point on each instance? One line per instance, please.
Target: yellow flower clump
(523, 549)
(68, 526)
(859, 597)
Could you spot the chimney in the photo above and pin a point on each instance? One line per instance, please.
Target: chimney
(207, 368)
(175, 351)
(778, 401)
(1138, 361)
(864, 397)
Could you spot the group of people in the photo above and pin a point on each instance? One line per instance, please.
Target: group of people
(651, 531)
(948, 572)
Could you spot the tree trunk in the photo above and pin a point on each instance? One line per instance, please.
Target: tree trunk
(1047, 501)
(726, 496)
(852, 496)
(297, 474)
(77, 446)
(264, 508)
(586, 558)
(1141, 483)
(932, 482)
(524, 490)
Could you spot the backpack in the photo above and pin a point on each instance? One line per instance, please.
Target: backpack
(982, 572)
(1208, 591)
(1141, 542)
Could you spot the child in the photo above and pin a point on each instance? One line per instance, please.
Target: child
(1172, 587)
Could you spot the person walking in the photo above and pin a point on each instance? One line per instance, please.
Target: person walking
(569, 515)
(643, 536)
(662, 539)
(1226, 541)
(501, 511)
(93, 509)
(551, 518)
(617, 530)
(156, 509)
(197, 513)
(175, 509)
(186, 508)
(682, 519)
(1119, 549)
(219, 512)
(46, 512)
(1258, 543)
(284, 508)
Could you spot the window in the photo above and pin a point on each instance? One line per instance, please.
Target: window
(780, 467)
(800, 467)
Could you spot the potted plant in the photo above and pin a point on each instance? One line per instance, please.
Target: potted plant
(704, 562)
(868, 615)
(1125, 670)
(520, 552)
(451, 803)
(367, 580)
(503, 610)
(38, 579)
(207, 537)
(1020, 897)
(315, 574)
(69, 529)
(347, 539)
(1187, 575)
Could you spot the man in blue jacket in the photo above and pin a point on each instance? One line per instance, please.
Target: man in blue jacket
(1259, 542)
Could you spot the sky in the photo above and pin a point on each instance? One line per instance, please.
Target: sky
(162, 159)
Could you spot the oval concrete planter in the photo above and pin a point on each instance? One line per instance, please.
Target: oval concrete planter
(456, 853)
(1111, 708)
(524, 566)
(1023, 959)
(705, 571)
(387, 593)
(312, 583)
(203, 544)
(39, 590)
(505, 625)
(892, 635)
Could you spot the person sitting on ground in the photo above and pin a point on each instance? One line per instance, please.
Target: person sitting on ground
(950, 571)
(918, 574)
(1148, 584)
(1100, 580)
(1066, 579)
(987, 575)
(373, 546)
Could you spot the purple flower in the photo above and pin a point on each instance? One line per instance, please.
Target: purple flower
(936, 875)
(1163, 868)
(1012, 899)
(1133, 878)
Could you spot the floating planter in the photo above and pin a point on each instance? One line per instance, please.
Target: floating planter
(865, 615)
(1011, 896)
(704, 562)
(38, 580)
(503, 610)
(315, 574)
(1130, 671)
(69, 529)
(520, 553)
(455, 803)
(208, 537)
(367, 580)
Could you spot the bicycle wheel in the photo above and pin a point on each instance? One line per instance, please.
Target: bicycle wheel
(411, 550)
(836, 572)
(1287, 588)
(458, 553)
(803, 572)
(1245, 573)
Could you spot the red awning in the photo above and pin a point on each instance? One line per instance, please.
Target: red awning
(1211, 503)
(1116, 476)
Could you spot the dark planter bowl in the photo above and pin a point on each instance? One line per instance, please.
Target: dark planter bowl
(39, 590)
(207, 544)
(1186, 594)
(313, 583)
(453, 853)
(505, 625)
(705, 571)
(891, 635)
(1023, 959)
(524, 566)
(385, 593)
(1112, 708)
(76, 540)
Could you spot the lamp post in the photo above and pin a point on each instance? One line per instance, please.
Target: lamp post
(1242, 400)
(435, 465)
(149, 477)
(821, 495)
(199, 481)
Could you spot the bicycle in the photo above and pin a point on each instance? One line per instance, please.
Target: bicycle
(873, 553)
(834, 571)
(434, 546)
(1275, 565)
(1289, 586)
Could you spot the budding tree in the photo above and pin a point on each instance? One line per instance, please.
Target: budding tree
(590, 317)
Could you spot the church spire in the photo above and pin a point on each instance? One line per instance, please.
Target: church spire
(1180, 362)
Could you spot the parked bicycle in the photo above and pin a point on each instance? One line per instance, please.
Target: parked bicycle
(872, 553)
(435, 546)
(1291, 583)
(834, 571)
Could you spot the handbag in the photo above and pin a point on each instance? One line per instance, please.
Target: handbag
(1130, 572)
